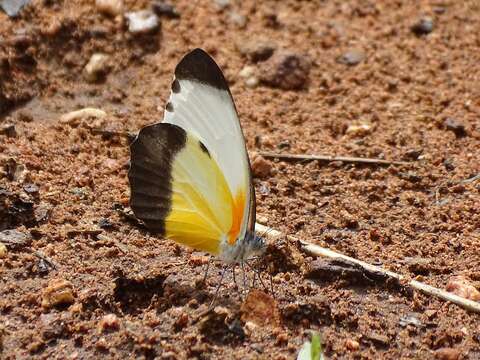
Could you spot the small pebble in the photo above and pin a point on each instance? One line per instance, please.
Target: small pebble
(58, 292)
(96, 67)
(260, 309)
(463, 287)
(247, 71)
(238, 19)
(3, 251)
(222, 4)
(110, 7)
(455, 126)
(165, 9)
(250, 328)
(359, 129)
(285, 70)
(109, 322)
(352, 345)
(256, 49)
(261, 168)
(410, 319)
(141, 22)
(352, 57)
(74, 117)
(8, 130)
(447, 354)
(15, 239)
(252, 82)
(423, 26)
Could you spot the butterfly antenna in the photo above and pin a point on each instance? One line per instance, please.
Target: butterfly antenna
(218, 286)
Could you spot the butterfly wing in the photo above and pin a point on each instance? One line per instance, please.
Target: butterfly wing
(201, 103)
(178, 189)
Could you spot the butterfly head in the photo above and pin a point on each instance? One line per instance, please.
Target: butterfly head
(254, 245)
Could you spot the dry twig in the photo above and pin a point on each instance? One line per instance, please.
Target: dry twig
(329, 158)
(427, 289)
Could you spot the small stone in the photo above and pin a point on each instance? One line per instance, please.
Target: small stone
(14, 239)
(462, 287)
(58, 292)
(97, 67)
(423, 26)
(165, 9)
(352, 345)
(455, 126)
(110, 7)
(447, 354)
(261, 168)
(105, 223)
(238, 19)
(109, 322)
(260, 309)
(257, 49)
(222, 4)
(142, 22)
(75, 117)
(410, 319)
(286, 70)
(247, 71)
(360, 129)
(15, 171)
(3, 250)
(377, 339)
(250, 328)
(8, 130)
(352, 57)
(181, 321)
(252, 82)
(31, 188)
(419, 265)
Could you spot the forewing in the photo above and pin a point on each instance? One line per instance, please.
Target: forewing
(201, 103)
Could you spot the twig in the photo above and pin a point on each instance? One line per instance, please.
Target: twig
(329, 158)
(430, 290)
(469, 180)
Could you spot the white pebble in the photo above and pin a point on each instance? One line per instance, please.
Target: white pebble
(3, 251)
(143, 21)
(252, 82)
(96, 66)
(247, 71)
(82, 114)
(110, 7)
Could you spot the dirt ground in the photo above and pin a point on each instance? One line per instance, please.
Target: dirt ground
(80, 279)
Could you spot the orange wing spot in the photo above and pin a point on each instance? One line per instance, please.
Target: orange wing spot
(237, 216)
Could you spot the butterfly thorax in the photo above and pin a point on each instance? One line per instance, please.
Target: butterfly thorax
(243, 249)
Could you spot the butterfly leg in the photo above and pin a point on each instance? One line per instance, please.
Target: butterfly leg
(234, 276)
(255, 271)
(244, 276)
(206, 271)
(218, 286)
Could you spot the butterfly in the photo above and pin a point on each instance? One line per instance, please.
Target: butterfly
(190, 176)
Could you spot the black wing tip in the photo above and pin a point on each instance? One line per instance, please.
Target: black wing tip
(198, 65)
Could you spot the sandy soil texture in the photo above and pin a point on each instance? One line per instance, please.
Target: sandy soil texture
(395, 80)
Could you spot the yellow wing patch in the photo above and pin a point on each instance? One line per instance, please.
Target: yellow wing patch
(203, 210)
